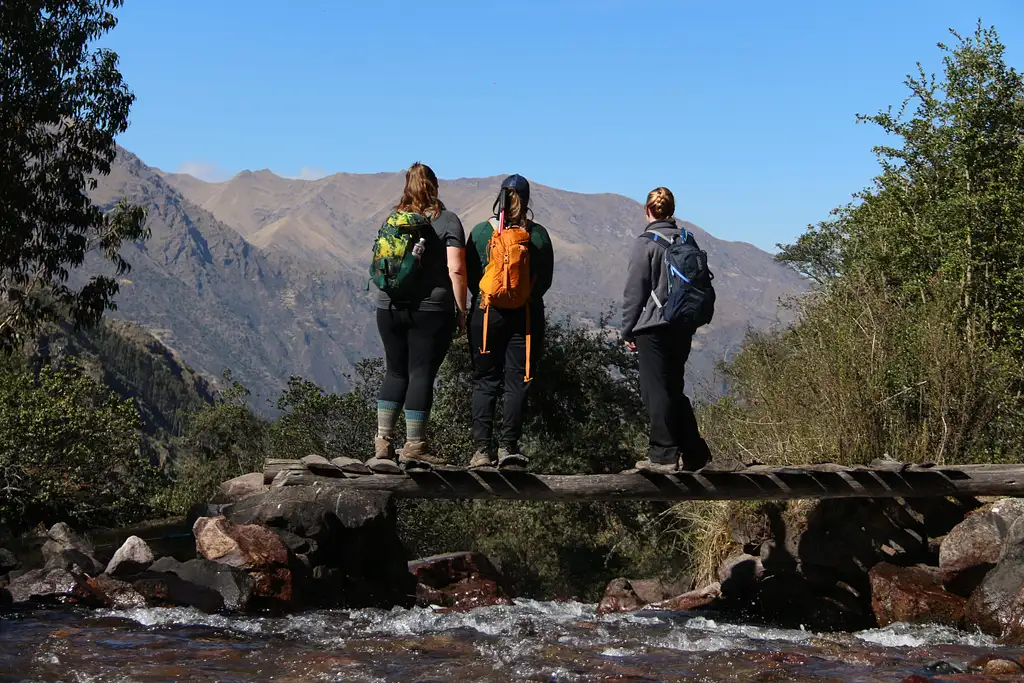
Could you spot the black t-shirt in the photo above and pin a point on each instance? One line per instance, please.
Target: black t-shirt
(435, 290)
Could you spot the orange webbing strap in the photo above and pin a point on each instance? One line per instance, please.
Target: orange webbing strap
(487, 314)
(529, 338)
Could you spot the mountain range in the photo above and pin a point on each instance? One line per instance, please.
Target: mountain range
(266, 276)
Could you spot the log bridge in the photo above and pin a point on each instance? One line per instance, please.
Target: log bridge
(881, 479)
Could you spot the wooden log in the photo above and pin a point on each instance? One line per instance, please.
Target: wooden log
(753, 483)
(275, 466)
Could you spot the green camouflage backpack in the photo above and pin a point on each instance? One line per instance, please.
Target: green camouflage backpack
(397, 253)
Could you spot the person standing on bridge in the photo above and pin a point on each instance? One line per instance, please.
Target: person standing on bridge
(510, 265)
(419, 264)
(660, 330)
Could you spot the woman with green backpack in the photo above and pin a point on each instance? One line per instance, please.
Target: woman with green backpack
(510, 264)
(419, 265)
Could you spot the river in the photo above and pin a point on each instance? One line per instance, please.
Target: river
(531, 641)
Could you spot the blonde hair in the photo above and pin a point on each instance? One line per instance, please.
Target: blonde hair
(517, 212)
(420, 193)
(661, 203)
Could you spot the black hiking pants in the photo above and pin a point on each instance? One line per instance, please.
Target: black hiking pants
(415, 344)
(674, 434)
(503, 366)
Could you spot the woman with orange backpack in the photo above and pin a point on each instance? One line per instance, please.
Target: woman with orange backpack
(510, 263)
(419, 264)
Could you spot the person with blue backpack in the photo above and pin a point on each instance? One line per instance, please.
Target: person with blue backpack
(668, 295)
(419, 266)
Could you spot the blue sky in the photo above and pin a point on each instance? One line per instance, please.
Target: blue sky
(746, 110)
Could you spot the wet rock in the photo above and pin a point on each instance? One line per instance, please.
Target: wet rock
(915, 679)
(627, 595)
(64, 549)
(458, 581)
(55, 585)
(812, 571)
(913, 595)
(353, 556)
(116, 593)
(690, 600)
(241, 487)
(619, 597)
(6, 600)
(132, 557)
(1000, 597)
(163, 589)
(8, 561)
(1002, 667)
(246, 546)
(973, 547)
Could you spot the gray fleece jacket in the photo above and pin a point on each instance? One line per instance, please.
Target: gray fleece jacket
(646, 275)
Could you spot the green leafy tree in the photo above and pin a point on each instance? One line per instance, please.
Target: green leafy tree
(69, 450)
(62, 105)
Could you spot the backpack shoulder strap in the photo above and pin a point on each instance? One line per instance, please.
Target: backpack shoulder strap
(659, 238)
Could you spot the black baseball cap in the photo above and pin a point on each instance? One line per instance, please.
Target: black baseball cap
(519, 184)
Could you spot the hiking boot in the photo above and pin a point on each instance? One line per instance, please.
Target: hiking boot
(657, 467)
(723, 464)
(509, 458)
(482, 458)
(416, 455)
(384, 460)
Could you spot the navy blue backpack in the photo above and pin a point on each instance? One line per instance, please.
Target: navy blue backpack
(691, 297)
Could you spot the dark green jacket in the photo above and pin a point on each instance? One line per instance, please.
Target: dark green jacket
(542, 260)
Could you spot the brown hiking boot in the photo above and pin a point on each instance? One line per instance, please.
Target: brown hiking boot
(657, 467)
(384, 460)
(723, 464)
(416, 454)
(482, 458)
(511, 459)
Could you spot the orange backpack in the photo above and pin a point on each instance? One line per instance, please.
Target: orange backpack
(506, 280)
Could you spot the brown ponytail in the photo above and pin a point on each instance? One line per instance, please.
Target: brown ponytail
(661, 203)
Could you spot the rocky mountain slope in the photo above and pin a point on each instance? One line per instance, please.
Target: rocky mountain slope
(266, 276)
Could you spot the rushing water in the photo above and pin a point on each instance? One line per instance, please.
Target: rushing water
(532, 641)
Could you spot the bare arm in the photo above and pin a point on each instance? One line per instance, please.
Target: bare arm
(457, 273)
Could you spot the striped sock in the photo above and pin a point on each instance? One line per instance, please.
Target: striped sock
(416, 425)
(387, 416)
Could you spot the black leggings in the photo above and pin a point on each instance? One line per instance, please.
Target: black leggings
(415, 344)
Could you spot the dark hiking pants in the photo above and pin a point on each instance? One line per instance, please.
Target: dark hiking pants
(415, 344)
(674, 434)
(503, 368)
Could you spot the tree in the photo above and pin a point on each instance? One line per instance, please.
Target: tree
(61, 107)
(948, 204)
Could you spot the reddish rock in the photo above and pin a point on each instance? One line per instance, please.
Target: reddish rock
(628, 595)
(691, 600)
(973, 547)
(916, 679)
(619, 597)
(241, 487)
(115, 593)
(272, 588)
(163, 589)
(1002, 667)
(458, 581)
(246, 546)
(997, 604)
(913, 595)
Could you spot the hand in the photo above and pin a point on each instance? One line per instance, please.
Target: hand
(460, 324)
(631, 346)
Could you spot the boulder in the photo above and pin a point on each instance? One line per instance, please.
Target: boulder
(8, 561)
(241, 487)
(812, 569)
(913, 595)
(1000, 596)
(628, 595)
(64, 549)
(61, 586)
(245, 546)
(690, 600)
(116, 593)
(1003, 667)
(345, 543)
(164, 589)
(972, 548)
(132, 557)
(458, 581)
